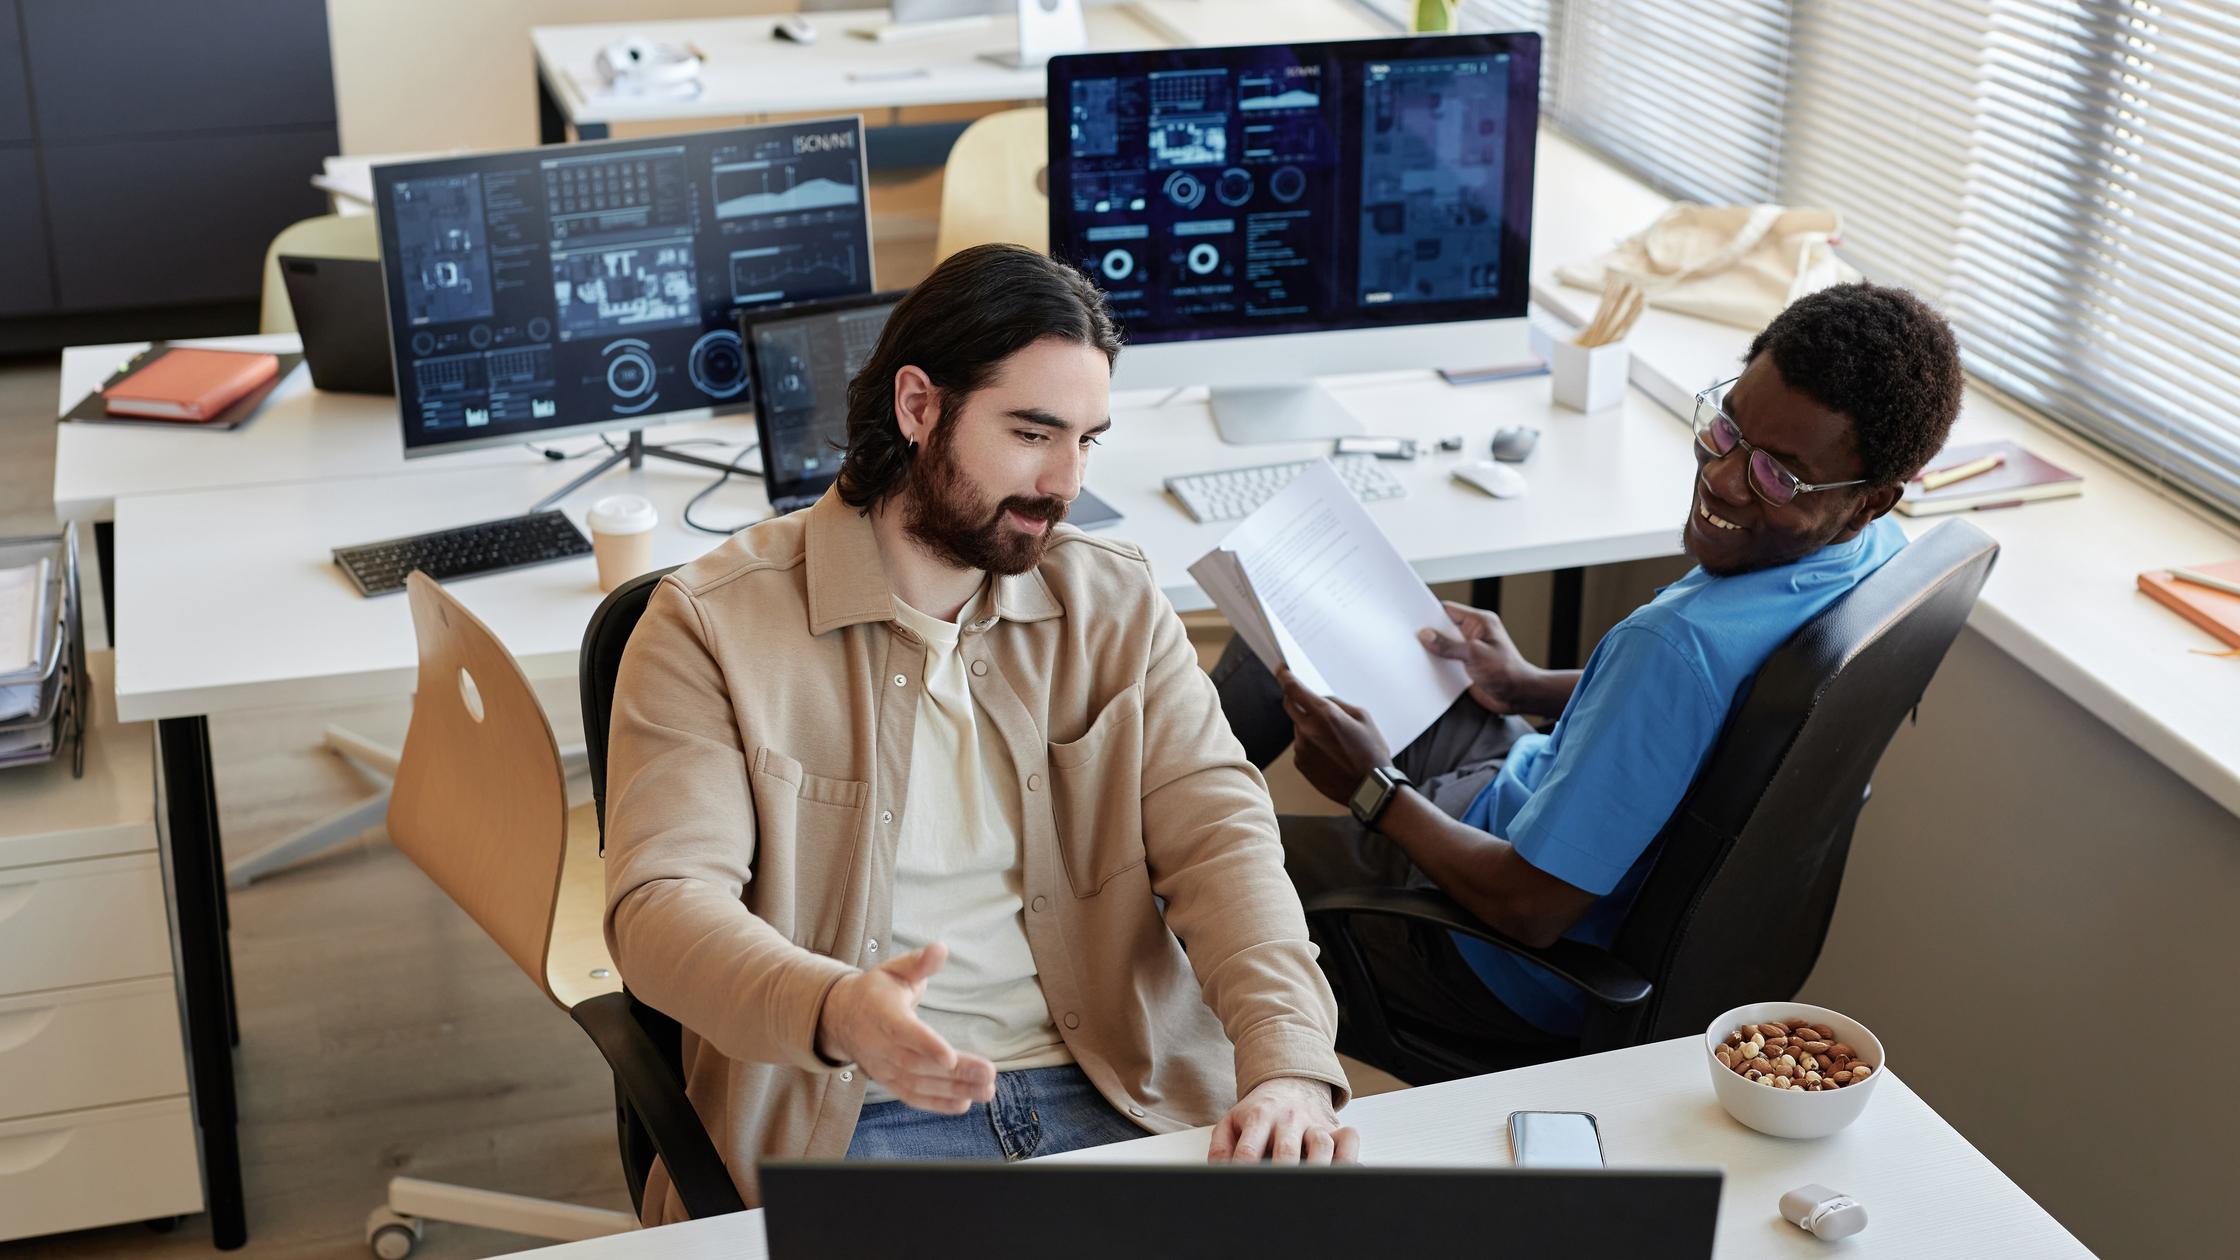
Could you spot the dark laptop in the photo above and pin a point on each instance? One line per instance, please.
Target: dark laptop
(343, 320)
(803, 355)
(951, 1211)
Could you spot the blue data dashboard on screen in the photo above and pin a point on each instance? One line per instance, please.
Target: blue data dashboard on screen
(591, 284)
(1298, 187)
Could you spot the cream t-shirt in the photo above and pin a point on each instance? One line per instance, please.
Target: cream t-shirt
(957, 872)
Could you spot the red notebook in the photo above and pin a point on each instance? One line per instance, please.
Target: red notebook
(2215, 611)
(189, 384)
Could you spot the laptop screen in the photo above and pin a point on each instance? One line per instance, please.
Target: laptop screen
(804, 357)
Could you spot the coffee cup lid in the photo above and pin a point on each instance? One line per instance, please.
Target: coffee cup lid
(623, 514)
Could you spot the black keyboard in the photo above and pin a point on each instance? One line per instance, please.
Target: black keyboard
(515, 542)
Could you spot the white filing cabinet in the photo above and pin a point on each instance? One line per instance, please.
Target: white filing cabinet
(95, 1126)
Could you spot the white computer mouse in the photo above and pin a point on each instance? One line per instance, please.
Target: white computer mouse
(1499, 480)
(795, 29)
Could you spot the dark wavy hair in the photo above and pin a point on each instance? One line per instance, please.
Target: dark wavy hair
(979, 307)
(1879, 355)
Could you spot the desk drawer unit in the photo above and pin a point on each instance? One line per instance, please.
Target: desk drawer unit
(74, 1048)
(77, 1169)
(64, 924)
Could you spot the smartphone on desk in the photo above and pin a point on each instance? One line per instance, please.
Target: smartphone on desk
(1554, 1139)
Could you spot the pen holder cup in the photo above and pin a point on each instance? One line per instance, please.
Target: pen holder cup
(1588, 378)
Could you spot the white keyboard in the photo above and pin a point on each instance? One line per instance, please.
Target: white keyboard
(1229, 494)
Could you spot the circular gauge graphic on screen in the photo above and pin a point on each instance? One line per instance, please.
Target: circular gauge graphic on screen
(540, 328)
(479, 336)
(1117, 265)
(719, 364)
(1289, 183)
(1203, 258)
(423, 343)
(630, 375)
(1185, 190)
(1234, 187)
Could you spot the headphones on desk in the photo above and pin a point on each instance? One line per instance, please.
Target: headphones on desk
(637, 64)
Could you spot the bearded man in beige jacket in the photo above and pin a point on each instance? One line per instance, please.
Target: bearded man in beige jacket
(924, 822)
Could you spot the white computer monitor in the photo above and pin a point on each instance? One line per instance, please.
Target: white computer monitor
(1263, 216)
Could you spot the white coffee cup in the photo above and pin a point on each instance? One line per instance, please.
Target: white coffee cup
(622, 537)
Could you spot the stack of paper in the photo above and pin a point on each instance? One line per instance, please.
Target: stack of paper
(1309, 581)
(27, 629)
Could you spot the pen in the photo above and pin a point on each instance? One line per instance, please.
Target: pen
(2199, 578)
(1942, 477)
(879, 76)
(2003, 503)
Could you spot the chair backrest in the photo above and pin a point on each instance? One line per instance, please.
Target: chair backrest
(603, 643)
(993, 188)
(324, 236)
(1738, 903)
(480, 802)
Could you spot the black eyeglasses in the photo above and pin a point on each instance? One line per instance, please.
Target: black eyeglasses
(1718, 435)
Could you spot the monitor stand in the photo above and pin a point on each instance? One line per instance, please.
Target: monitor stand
(1248, 415)
(634, 450)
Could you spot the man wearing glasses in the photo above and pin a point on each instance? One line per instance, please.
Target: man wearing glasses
(1842, 399)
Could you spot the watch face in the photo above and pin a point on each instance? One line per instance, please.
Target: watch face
(1366, 796)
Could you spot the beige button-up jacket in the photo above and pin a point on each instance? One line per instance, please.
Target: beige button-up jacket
(757, 772)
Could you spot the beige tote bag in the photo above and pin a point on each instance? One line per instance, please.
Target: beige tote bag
(1739, 265)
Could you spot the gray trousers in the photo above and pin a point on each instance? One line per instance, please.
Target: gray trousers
(1421, 975)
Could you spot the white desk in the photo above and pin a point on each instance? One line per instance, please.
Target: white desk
(300, 435)
(229, 600)
(1928, 1193)
(747, 72)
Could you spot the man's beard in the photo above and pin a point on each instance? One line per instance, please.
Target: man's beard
(947, 513)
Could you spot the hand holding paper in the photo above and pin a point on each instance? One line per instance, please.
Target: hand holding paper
(1310, 583)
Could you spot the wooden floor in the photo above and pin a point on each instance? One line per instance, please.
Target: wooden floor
(381, 1033)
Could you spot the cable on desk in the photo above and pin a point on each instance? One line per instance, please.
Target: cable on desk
(716, 485)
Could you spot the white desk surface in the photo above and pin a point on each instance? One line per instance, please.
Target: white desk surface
(1928, 1193)
(748, 72)
(229, 599)
(301, 434)
(2063, 598)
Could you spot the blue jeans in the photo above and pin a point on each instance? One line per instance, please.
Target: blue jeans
(1039, 1111)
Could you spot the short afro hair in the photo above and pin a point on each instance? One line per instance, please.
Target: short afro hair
(1882, 357)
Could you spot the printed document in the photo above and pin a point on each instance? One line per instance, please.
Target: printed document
(1309, 581)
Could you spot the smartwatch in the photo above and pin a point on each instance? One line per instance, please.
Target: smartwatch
(1377, 789)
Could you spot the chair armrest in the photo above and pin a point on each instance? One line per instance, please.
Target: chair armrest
(654, 1092)
(1594, 972)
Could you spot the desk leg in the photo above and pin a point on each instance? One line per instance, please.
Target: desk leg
(1486, 593)
(1564, 619)
(105, 551)
(205, 964)
(552, 123)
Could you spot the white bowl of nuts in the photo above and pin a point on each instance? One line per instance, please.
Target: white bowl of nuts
(1792, 1069)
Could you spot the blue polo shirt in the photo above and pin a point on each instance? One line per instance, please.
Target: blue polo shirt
(1585, 801)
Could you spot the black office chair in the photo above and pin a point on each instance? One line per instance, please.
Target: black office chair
(643, 1046)
(1736, 907)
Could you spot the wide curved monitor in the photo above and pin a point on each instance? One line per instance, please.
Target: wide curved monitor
(1258, 214)
(593, 287)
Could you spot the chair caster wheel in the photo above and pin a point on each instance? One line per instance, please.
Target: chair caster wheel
(391, 1235)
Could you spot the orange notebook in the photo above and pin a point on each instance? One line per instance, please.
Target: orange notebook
(2215, 611)
(188, 384)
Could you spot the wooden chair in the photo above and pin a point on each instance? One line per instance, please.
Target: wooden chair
(993, 188)
(481, 806)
